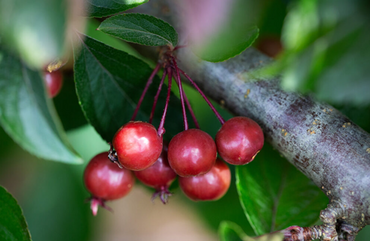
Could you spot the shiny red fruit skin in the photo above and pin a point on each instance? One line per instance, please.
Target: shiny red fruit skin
(138, 145)
(54, 82)
(239, 140)
(210, 186)
(192, 152)
(105, 180)
(158, 175)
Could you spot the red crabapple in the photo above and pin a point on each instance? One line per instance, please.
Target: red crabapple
(239, 140)
(159, 176)
(210, 186)
(192, 152)
(54, 82)
(137, 145)
(106, 181)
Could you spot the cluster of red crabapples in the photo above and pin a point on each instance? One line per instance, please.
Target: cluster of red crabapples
(138, 149)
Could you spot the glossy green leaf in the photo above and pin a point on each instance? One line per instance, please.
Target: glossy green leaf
(236, 33)
(275, 195)
(35, 29)
(141, 29)
(109, 83)
(327, 50)
(101, 8)
(229, 231)
(93, 32)
(27, 113)
(13, 226)
(231, 45)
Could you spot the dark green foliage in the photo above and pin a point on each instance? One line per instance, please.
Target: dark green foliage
(141, 29)
(13, 226)
(327, 50)
(109, 83)
(275, 195)
(101, 8)
(27, 114)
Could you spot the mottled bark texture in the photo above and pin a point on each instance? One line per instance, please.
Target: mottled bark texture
(316, 138)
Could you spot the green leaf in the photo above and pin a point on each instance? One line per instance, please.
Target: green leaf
(229, 231)
(27, 113)
(233, 36)
(275, 195)
(35, 29)
(141, 29)
(232, 42)
(102, 8)
(13, 226)
(92, 31)
(109, 83)
(327, 50)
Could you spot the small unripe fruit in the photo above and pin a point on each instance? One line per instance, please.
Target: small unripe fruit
(54, 82)
(192, 152)
(210, 186)
(239, 140)
(137, 145)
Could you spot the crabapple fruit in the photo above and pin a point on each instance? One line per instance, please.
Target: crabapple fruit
(239, 140)
(159, 176)
(210, 186)
(192, 152)
(137, 145)
(106, 181)
(54, 82)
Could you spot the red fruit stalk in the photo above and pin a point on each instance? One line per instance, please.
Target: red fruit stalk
(161, 129)
(157, 96)
(148, 83)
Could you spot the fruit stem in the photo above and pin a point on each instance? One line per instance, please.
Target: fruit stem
(150, 80)
(191, 110)
(178, 81)
(163, 193)
(112, 155)
(161, 130)
(157, 95)
(178, 47)
(219, 117)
